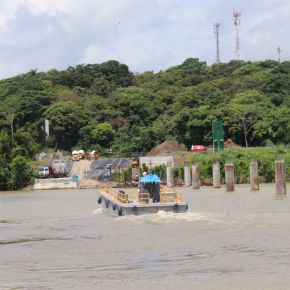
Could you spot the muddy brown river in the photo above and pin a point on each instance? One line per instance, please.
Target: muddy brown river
(63, 240)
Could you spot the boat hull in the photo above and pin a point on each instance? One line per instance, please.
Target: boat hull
(114, 207)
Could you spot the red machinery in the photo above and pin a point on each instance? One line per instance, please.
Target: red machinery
(198, 148)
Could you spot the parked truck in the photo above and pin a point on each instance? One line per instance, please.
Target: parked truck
(58, 168)
(43, 172)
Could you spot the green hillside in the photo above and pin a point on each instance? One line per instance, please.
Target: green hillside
(107, 106)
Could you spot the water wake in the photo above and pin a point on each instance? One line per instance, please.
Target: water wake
(171, 217)
(98, 211)
(167, 217)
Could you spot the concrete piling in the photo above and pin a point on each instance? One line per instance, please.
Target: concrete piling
(169, 176)
(195, 176)
(254, 175)
(187, 176)
(230, 177)
(216, 175)
(280, 177)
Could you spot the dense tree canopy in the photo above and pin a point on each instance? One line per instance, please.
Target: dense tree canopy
(106, 105)
(66, 119)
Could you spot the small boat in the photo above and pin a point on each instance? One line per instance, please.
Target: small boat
(149, 198)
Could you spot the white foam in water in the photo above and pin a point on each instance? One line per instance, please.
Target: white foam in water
(171, 217)
(98, 211)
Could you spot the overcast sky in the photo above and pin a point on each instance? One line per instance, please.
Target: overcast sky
(144, 34)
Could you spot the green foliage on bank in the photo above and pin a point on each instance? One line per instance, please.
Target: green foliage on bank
(21, 173)
(101, 106)
(241, 158)
(17, 174)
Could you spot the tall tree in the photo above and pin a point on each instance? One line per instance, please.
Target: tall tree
(66, 119)
(244, 111)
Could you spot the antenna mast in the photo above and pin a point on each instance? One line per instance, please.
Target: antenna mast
(237, 23)
(216, 27)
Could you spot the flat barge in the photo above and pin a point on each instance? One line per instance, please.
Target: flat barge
(120, 203)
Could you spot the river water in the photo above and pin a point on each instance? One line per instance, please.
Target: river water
(63, 240)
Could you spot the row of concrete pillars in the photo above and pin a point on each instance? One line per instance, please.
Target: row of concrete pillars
(191, 176)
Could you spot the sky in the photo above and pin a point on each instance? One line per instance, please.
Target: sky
(147, 35)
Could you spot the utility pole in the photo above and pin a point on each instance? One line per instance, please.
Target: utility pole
(237, 23)
(216, 27)
(279, 53)
(46, 130)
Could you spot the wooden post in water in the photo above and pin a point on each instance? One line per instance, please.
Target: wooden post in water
(216, 175)
(187, 176)
(280, 177)
(230, 176)
(254, 175)
(169, 176)
(195, 176)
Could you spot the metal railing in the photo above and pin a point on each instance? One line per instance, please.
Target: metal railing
(168, 194)
(116, 194)
(144, 197)
(123, 197)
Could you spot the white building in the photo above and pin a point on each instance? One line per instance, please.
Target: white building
(152, 161)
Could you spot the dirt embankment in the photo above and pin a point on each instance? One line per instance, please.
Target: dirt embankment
(166, 148)
(80, 167)
(171, 148)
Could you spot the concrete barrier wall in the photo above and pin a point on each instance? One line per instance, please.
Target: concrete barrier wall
(55, 183)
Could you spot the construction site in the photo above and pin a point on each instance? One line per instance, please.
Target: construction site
(82, 170)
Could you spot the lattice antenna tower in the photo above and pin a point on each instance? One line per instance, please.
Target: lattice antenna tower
(216, 27)
(237, 23)
(279, 50)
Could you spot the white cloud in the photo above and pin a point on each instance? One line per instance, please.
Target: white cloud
(145, 34)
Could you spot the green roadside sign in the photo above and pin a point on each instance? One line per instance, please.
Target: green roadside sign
(218, 135)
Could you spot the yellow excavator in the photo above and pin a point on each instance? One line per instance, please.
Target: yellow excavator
(93, 155)
(75, 155)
